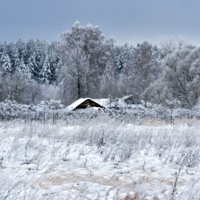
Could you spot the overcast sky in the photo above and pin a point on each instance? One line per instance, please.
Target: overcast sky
(131, 21)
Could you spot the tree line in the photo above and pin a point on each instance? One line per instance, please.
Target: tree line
(86, 64)
(36, 59)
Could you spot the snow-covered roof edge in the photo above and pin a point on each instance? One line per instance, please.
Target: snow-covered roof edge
(80, 101)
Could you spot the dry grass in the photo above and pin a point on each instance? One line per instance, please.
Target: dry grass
(137, 196)
(72, 178)
(150, 122)
(176, 121)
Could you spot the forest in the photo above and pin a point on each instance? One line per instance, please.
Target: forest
(86, 64)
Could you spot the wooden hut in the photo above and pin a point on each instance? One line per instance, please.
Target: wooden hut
(84, 103)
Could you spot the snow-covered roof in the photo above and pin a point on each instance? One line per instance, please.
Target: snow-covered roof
(80, 101)
(102, 102)
(106, 102)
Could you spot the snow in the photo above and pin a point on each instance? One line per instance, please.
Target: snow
(97, 160)
(102, 102)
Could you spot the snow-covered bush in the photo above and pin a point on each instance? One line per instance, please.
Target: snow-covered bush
(43, 111)
(53, 110)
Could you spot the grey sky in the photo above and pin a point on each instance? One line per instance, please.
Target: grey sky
(129, 21)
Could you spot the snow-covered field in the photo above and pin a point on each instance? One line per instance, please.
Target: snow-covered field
(99, 159)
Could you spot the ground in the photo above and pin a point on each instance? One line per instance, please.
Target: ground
(98, 160)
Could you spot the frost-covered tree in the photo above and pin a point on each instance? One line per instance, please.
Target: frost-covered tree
(45, 71)
(23, 68)
(5, 63)
(12, 52)
(74, 76)
(18, 87)
(169, 45)
(158, 92)
(141, 69)
(21, 47)
(109, 82)
(180, 78)
(122, 55)
(85, 54)
(54, 62)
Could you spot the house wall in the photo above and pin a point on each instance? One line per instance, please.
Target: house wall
(87, 103)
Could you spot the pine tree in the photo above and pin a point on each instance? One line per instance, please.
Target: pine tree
(24, 68)
(29, 58)
(5, 63)
(122, 54)
(45, 72)
(13, 55)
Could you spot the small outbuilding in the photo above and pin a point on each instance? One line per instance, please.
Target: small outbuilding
(84, 103)
(132, 99)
